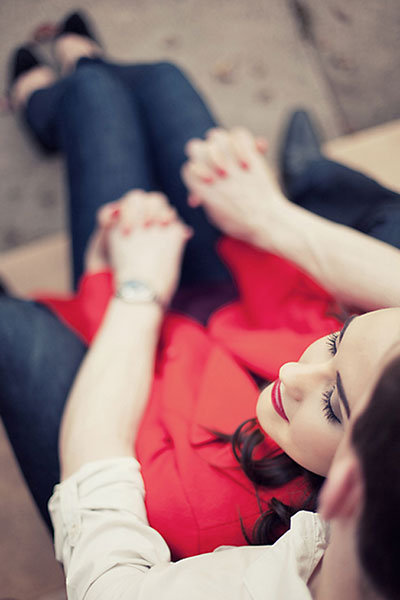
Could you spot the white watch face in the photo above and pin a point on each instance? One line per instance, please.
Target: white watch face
(135, 291)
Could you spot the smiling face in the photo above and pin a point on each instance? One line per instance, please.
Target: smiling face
(307, 409)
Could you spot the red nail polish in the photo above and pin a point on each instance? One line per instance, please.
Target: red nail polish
(208, 179)
(115, 213)
(221, 172)
(245, 165)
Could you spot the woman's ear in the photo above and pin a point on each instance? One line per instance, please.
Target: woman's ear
(342, 493)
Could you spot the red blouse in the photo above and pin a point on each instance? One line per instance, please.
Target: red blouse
(196, 494)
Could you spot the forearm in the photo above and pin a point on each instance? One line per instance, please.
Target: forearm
(357, 269)
(248, 204)
(108, 397)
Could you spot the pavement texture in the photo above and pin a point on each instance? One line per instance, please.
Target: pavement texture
(254, 60)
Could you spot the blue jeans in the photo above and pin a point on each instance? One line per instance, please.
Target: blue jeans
(39, 358)
(122, 127)
(345, 196)
(119, 127)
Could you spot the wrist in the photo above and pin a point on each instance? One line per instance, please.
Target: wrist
(139, 291)
(146, 316)
(270, 227)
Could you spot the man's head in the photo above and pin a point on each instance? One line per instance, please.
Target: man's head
(362, 493)
(376, 441)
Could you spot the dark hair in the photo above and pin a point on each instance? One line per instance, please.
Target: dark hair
(270, 472)
(376, 441)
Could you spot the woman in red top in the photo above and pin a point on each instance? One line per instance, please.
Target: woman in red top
(126, 127)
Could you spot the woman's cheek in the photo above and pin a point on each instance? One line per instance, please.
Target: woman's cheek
(314, 444)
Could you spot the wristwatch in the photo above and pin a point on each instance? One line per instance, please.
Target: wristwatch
(138, 292)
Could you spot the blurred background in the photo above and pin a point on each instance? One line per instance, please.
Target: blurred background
(254, 60)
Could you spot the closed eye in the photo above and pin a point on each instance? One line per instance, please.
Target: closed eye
(327, 407)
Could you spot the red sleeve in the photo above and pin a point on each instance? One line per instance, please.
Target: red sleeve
(280, 311)
(273, 291)
(83, 312)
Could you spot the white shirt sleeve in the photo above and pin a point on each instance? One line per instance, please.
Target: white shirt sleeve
(100, 527)
(110, 552)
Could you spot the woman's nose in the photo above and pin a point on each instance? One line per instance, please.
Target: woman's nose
(301, 378)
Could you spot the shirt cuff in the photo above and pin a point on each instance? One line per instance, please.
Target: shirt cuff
(109, 484)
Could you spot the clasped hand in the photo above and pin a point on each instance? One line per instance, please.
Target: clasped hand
(140, 237)
(227, 175)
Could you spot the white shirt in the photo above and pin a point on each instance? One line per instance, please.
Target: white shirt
(109, 551)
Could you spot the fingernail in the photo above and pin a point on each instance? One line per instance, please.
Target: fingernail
(221, 172)
(262, 146)
(115, 213)
(244, 165)
(207, 179)
(193, 201)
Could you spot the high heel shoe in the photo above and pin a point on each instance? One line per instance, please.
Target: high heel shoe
(300, 147)
(77, 23)
(22, 61)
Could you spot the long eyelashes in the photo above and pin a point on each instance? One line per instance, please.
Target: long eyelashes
(327, 407)
(331, 341)
(327, 396)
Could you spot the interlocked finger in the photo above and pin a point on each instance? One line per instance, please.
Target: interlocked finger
(226, 150)
(132, 210)
(158, 210)
(108, 214)
(194, 149)
(145, 209)
(199, 154)
(245, 146)
(219, 151)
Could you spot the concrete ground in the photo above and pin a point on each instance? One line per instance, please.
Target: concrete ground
(254, 60)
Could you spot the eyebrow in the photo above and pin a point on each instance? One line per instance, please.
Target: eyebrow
(345, 326)
(339, 384)
(342, 394)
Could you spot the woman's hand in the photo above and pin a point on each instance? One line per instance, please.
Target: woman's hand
(146, 240)
(96, 254)
(227, 175)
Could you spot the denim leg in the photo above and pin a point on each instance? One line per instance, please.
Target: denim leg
(345, 196)
(92, 117)
(173, 112)
(113, 122)
(39, 358)
(383, 221)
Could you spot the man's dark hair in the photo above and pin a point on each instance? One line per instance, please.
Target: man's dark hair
(376, 440)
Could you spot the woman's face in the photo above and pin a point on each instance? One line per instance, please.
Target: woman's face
(307, 409)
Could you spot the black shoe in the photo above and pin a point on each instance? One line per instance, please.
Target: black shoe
(3, 288)
(22, 61)
(300, 147)
(77, 23)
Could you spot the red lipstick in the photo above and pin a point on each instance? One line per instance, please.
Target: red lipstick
(276, 398)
